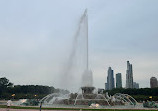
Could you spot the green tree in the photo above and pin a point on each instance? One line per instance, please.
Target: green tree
(4, 83)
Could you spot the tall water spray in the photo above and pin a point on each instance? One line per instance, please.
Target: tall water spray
(87, 78)
(84, 20)
(77, 63)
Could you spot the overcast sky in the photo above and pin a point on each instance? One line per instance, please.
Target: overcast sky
(36, 38)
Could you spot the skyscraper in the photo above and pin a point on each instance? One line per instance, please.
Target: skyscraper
(129, 76)
(118, 80)
(153, 82)
(110, 80)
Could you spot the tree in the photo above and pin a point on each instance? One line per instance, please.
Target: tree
(4, 83)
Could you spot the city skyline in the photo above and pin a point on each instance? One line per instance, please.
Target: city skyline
(110, 82)
(36, 39)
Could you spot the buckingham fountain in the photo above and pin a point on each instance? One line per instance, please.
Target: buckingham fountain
(87, 93)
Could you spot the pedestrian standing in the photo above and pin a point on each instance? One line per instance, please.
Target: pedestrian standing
(9, 103)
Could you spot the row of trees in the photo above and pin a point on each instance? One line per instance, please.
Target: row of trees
(10, 91)
(141, 91)
(138, 94)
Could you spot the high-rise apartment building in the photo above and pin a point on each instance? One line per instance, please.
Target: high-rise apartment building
(129, 76)
(153, 82)
(110, 80)
(118, 80)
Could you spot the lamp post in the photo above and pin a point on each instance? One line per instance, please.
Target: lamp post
(13, 95)
(35, 96)
(40, 106)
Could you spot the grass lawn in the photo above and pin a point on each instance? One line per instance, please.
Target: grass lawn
(88, 109)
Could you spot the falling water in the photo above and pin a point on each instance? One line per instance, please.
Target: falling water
(78, 56)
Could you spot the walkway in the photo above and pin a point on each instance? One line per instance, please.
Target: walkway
(4, 109)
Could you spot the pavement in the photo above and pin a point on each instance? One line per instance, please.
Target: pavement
(5, 109)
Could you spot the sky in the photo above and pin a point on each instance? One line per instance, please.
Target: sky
(36, 38)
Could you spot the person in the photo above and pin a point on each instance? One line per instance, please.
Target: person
(9, 102)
